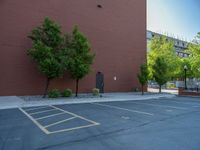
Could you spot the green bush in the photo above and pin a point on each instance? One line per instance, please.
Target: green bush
(95, 92)
(171, 85)
(54, 93)
(67, 93)
(135, 89)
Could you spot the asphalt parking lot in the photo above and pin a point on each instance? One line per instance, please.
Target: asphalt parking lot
(156, 124)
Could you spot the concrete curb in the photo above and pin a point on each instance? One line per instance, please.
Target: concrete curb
(9, 102)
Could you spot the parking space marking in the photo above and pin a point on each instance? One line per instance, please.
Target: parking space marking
(45, 128)
(65, 120)
(76, 115)
(35, 108)
(182, 108)
(185, 103)
(196, 106)
(35, 122)
(39, 112)
(195, 100)
(75, 128)
(50, 116)
(125, 109)
(169, 110)
(125, 117)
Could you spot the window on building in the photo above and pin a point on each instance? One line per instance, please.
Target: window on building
(186, 55)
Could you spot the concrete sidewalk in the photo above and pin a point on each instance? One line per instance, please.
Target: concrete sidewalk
(170, 91)
(7, 102)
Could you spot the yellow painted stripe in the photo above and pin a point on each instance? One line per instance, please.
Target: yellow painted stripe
(39, 112)
(35, 122)
(55, 123)
(50, 116)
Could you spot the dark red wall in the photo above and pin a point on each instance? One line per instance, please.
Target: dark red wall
(183, 92)
(117, 33)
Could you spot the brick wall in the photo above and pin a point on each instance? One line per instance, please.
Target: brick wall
(117, 33)
(183, 92)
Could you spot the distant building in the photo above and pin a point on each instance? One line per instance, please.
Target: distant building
(179, 45)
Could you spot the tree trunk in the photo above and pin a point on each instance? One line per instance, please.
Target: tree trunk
(159, 88)
(77, 81)
(46, 88)
(142, 89)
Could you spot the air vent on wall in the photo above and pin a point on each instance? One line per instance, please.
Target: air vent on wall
(99, 6)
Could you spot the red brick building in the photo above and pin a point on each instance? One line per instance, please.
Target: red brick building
(116, 30)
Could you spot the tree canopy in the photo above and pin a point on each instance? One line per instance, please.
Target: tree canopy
(54, 53)
(47, 50)
(194, 59)
(163, 47)
(81, 58)
(143, 76)
(160, 71)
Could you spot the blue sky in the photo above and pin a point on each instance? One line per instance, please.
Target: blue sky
(176, 17)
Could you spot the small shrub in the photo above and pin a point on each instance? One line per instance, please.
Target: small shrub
(95, 92)
(54, 93)
(67, 93)
(135, 89)
(171, 85)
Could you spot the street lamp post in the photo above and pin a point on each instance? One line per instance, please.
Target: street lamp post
(185, 69)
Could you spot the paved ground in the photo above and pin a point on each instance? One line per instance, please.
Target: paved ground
(156, 124)
(156, 90)
(28, 101)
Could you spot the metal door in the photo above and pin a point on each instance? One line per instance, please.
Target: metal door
(100, 82)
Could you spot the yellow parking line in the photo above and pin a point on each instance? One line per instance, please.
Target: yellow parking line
(75, 115)
(39, 112)
(44, 128)
(59, 122)
(35, 108)
(35, 122)
(121, 108)
(75, 128)
(50, 116)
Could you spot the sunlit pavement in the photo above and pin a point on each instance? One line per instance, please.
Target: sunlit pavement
(171, 91)
(163, 124)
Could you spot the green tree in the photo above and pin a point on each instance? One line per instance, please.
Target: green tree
(180, 72)
(143, 76)
(81, 58)
(160, 72)
(47, 50)
(163, 47)
(194, 59)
